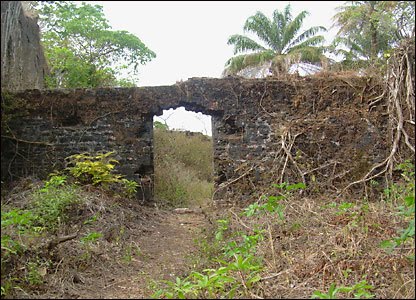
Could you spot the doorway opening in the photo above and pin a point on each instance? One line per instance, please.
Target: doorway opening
(183, 158)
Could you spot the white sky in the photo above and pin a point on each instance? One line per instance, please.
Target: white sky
(190, 37)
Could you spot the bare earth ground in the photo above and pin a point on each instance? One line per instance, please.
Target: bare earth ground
(166, 250)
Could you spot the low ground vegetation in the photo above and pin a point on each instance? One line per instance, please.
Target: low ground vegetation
(38, 216)
(62, 232)
(288, 246)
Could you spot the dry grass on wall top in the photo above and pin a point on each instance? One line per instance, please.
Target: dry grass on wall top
(183, 168)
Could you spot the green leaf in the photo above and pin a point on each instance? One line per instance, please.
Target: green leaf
(296, 186)
(409, 200)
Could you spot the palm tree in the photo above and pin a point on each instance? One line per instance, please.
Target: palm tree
(366, 28)
(282, 44)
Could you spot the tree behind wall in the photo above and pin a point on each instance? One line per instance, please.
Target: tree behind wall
(370, 29)
(83, 51)
(281, 42)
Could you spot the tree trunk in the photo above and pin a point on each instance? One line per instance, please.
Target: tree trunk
(373, 32)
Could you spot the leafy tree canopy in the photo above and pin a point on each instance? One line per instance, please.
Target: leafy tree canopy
(368, 29)
(83, 51)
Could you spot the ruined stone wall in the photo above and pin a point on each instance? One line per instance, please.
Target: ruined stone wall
(23, 64)
(316, 130)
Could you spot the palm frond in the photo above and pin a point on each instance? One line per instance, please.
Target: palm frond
(242, 43)
(234, 64)
(293, 27)
(305, 35)
(347, 18)
(313, 41)
(287, 13)
(260, 25)
(309, 54)
(357, 48)
(281, 21)
(279, 24)
(237, 63)
(279, 34)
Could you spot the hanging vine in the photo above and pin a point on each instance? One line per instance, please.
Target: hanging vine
(399, 88)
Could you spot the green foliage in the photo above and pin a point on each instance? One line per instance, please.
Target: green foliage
(50, 207)
(34, 277)
(281, 38)
(18, 218)
(239, 263)
(272, 204)
(344, 207)
(91, 237)
(246, 246)
(82, 50)
(403, 193)
(360, 290)
(97, 170)
(369, 29)
(222, 227)
(238, 270)
(54, 181)
(53, 202)
(160, 125)
(20, 221)
(183, 168)
(225, 282)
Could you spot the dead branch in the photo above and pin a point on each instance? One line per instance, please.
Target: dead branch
(261, 99)
(289, 155)
(53, 243)
(241, 221)
(320, 167)
(26, 141)
(231, 182)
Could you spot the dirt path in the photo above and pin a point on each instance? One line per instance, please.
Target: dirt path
(166, 251)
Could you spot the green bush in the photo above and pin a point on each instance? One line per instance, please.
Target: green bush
(53, 203)
(97, 170)
(47, 209)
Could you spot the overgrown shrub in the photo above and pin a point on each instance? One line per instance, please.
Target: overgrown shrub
(97, 170)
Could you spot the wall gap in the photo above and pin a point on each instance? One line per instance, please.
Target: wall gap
(183, 158)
